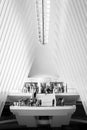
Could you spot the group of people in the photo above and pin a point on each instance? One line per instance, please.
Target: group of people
(30, 87)
(47, 88)
(53, 87)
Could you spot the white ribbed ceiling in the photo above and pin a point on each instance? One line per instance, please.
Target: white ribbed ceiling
(69, 37)
(17, 34)
(64, 55)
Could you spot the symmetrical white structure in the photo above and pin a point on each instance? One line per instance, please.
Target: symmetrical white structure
(55, 108)
(64, 55)
(59, 115)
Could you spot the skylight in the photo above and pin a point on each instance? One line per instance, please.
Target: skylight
(43, 17)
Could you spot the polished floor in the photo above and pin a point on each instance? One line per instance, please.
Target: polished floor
(14, 125)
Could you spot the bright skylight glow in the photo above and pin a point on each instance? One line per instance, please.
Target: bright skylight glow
(43, 18)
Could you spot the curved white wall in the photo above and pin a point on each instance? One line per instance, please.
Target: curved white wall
(18, 37)
(17, 44)
(70, 43)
